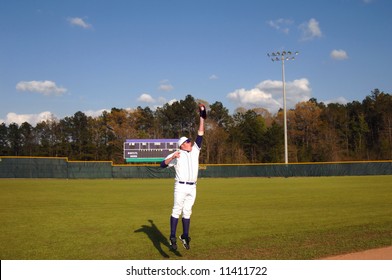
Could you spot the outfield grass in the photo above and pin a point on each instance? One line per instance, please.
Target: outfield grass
(241, 218)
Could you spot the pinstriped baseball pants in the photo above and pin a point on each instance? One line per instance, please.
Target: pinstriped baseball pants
(184, 198)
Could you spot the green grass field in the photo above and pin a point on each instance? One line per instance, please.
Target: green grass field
(241, 218)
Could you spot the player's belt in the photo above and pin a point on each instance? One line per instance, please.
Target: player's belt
(188, 183)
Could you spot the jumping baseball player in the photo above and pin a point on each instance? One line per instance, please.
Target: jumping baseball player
(186, 164)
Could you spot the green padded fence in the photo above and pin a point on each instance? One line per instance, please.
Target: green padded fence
(87, 169)
(299, 170)
(129, 171)
(24, 167)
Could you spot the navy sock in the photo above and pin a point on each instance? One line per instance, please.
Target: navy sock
(173, 226)
(185, 226)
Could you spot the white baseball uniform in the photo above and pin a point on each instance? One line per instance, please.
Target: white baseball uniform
(187, 169)
(186, 164)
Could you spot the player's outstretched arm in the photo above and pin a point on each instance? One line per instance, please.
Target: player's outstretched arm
(200, 131)
(203, 116)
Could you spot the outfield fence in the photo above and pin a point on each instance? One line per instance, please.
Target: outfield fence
(41, 167)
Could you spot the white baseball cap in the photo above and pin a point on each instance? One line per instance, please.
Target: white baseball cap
(182, 140)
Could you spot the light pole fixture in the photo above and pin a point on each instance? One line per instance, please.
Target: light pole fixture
(282, 56)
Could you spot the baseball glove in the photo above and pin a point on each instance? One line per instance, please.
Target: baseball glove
(202, 111)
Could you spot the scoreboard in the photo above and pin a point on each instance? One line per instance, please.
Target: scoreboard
(148, 150)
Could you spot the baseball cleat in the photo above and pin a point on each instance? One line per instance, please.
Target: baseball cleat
(185, 241)
(173, 243)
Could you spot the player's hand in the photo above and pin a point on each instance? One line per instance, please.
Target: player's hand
(203, 111)
(176, 155)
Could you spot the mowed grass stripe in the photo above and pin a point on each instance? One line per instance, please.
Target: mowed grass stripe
(236, 218)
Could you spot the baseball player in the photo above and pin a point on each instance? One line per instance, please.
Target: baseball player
(186, 164)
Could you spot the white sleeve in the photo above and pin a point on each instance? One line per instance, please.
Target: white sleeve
(173, 162)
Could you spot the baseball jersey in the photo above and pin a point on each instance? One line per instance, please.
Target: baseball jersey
(187, 165)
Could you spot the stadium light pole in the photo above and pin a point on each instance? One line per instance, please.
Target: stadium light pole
(282, 56)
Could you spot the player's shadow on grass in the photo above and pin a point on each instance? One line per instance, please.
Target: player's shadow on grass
(157, 238)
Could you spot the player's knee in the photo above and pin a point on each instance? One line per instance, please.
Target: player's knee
(187, 214)
(176, 213)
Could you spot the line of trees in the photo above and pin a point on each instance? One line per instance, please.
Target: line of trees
(316, 132)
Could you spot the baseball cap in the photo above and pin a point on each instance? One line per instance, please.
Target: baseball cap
(182, 140)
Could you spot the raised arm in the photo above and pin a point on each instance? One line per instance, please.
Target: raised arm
(200, 131)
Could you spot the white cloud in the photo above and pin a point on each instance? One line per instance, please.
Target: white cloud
(339, 100)
(145, 97)
(253, 98)
(32, 119)
(339, 55)
(213, 77)
(45, 87)
(95, 113)
(281, 24)
(269, 95)
(79, 22)
(155, 102)
(166, 87)
(170, 102)
(310, 29)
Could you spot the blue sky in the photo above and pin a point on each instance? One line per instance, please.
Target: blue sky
(60, 57)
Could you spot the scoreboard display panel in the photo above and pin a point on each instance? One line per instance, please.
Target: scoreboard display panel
(148, 150)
